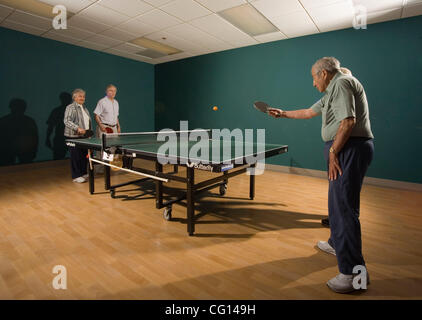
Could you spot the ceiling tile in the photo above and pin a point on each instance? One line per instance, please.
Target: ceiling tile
(412, 11)
(54, 35)
(333, 17)
(319, 3)
(176, 42)
(185, 9)
(220, 28)
(275, 8)
(131, 8)
(386, 15)
(128, 55)
(295, 24)
(22, 27)
(159, 19)
(137, 27)
(30, 20)
(87, 24)
(157, 3)
(73, 32)
(91, 45)
(377, 5)
(196, 36)
(220, 5)
(118, 34)
(177, 56)
(275, 36)
(103, 15)
(106, 41)
(4, 12)
(71, 5)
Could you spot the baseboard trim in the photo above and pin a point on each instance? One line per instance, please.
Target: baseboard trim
(385, 183)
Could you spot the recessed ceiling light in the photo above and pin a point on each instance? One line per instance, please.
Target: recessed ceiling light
(151, 54)
(248, 19)
(31, 6)
(155, 45)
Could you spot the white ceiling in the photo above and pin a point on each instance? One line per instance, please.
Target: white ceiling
(193, 26)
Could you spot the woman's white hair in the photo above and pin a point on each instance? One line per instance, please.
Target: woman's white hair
(77, 91)
(330, 64)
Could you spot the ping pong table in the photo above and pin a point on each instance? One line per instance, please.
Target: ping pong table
(222, 158)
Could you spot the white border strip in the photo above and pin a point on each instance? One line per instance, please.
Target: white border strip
(130, 171)
(154, 132)
(385, 183)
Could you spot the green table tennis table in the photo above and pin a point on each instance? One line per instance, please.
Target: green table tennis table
(225, 158)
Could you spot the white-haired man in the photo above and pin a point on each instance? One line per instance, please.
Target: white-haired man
(349, 149)
(107, 112)
(77, 120)
(326, 221)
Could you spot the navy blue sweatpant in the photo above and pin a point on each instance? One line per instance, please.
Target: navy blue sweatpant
(78, 161)
(344, 201)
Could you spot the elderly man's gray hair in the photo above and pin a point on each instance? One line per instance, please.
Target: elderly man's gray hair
(77, 91)
(330, 64)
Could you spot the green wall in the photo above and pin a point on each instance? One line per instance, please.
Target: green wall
(35, 72)
(386, 58)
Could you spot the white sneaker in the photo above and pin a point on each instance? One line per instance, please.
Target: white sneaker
(85, 176)
(325, 246)
(343, 283)
(79, 180)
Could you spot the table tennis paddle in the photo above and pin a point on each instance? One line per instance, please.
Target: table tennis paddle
(108, 130)
(261, 106)
(88, 134)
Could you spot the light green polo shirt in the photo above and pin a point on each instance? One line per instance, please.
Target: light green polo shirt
(344, 98)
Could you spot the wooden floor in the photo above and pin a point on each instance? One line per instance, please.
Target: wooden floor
(263, 249)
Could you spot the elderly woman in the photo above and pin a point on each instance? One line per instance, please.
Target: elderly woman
(77, 120)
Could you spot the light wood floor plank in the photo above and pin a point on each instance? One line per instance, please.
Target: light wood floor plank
(262, 249)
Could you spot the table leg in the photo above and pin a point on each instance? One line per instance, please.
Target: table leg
(158, 186)
(190, 175)
(107, 177)
(91, 177)
(252, 183)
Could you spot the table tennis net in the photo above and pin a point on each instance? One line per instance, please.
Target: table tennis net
(139, 138)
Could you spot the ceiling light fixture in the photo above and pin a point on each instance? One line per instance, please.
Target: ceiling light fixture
(155, 45)
(248, 19)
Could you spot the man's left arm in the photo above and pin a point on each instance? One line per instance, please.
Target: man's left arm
(118, 126)
(342, 135)
(343, 105)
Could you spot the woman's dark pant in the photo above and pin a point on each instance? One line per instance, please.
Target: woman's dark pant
(344, 201)
(78, 161)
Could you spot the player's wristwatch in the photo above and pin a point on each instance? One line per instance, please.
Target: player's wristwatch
(332, 150)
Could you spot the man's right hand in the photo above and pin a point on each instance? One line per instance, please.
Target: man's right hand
(81, 131)
(274, 112)
(103, 129)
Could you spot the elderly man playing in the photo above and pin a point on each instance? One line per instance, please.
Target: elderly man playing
(349, 149)
(107, 112)
(325, 221)
(77, 120)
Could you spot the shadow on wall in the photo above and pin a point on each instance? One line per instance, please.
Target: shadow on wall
(19, 135)
(56, 127)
